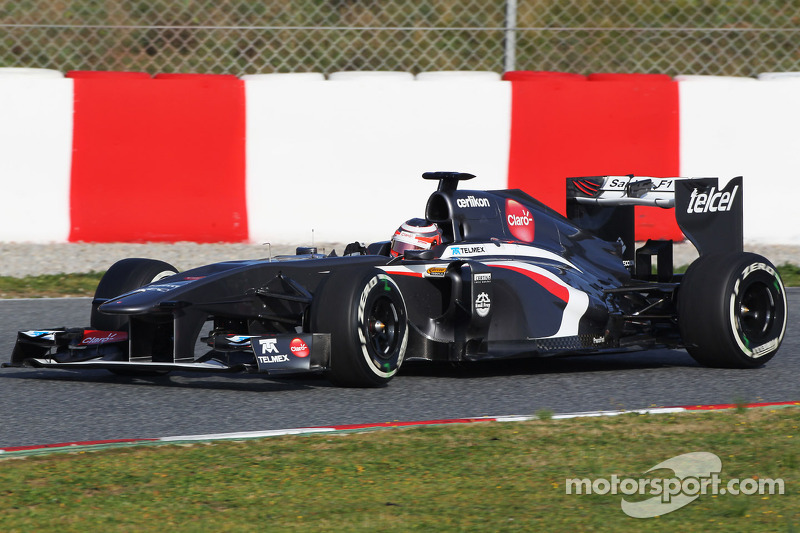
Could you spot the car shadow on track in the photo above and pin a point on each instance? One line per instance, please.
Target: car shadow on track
(640, 360)
(422, 369)
(190, 380)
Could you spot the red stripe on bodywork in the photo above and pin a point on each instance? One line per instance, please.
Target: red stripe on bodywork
(563, 128)
(584, 188)
(559, 291)
(404, 273)
(159, 160)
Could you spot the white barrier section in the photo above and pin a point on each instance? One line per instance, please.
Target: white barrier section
(345, 158)
(767, 76)
(35, 157)
(371, 76)
(711, 79)
(458, 75)
(731, 128)
(281, 77)
(32, 72)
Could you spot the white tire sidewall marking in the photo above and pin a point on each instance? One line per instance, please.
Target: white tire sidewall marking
(749, 352)
(362, 302)
(162, 275)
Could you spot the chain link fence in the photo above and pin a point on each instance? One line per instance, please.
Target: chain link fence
(239, 37)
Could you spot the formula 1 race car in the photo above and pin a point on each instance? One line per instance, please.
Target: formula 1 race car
(485, 275)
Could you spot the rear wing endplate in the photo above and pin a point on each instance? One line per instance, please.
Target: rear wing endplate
(709, 216)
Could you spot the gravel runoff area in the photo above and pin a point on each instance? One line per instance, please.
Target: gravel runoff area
(21, 259)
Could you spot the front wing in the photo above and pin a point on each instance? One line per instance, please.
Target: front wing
(87, 348)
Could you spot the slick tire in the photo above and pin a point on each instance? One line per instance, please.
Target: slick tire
(124, 276)
(366, 317)
(732, 310)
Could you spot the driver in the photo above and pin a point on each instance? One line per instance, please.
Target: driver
(415, 234)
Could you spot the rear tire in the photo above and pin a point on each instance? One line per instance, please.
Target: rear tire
(366, 317)
(125, 276)
(732, 310)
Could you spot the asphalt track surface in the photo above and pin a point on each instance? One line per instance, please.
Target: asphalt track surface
(54, 406)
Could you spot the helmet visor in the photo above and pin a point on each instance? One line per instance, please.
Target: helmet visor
(400, 246)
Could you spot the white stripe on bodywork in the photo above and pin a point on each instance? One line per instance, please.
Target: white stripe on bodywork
(406, 270)
(47, 335)
(577, 303)
(494, 249)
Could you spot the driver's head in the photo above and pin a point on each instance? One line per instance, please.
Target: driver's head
(415, 234)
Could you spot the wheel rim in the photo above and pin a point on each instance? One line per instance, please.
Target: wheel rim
(382, 328)
(756, 311)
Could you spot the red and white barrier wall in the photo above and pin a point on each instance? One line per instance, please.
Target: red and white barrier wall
(116, 157)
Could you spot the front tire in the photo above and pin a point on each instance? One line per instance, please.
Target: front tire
(125, 276)
(732, 310)
(366, 317)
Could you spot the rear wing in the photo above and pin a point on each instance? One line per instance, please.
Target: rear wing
(709, 216)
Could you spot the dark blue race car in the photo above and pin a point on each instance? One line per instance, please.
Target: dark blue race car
(484, 275)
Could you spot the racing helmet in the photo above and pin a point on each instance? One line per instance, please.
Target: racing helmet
(415, 234)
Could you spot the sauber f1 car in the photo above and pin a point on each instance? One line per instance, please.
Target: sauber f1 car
(504, 276)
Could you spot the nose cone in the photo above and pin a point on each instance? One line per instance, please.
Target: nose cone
(148, 299)
(136, 302)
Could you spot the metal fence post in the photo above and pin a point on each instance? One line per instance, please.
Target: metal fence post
(510, 36)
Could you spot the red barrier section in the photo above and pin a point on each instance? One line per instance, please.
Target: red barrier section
(631, 77)
(105, 74)
(565, 128)
(159, 160)
(211, 78)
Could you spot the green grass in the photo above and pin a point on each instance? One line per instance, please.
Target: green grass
(50, 285)
(477, 477)
(790, 274)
